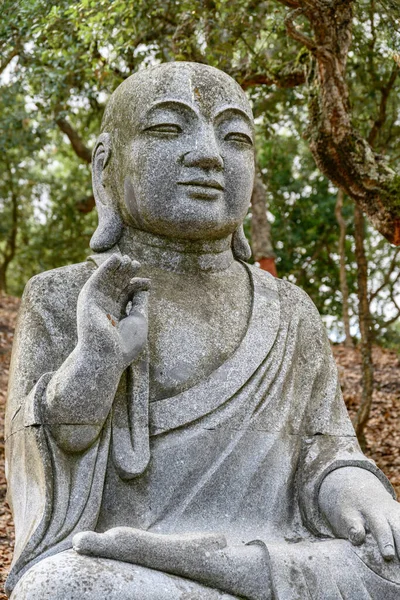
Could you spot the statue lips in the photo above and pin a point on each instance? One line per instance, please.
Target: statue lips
(208, 189)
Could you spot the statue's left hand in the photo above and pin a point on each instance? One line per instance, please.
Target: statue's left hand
(355, 502)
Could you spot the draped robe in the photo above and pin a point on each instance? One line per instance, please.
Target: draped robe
(243, 452)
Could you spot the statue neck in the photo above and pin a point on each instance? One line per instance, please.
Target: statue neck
(179, 256)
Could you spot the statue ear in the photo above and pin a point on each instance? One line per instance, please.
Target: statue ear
(110, 225)
(240, 246)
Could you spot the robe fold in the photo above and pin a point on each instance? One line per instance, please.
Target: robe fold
(243, 452)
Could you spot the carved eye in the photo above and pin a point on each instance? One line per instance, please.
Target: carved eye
(167, 129)
(242, 138)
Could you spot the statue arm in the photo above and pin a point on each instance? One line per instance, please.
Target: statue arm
(80, 394)
(82, 385)
(78, 399)
(342, 492)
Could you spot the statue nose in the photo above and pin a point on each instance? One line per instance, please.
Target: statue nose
(203, 159)
(205, 155)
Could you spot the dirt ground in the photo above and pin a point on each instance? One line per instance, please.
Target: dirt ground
(383, 433)
(8, 313)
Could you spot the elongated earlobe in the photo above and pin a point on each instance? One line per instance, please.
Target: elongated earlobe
(240, 246)
(110, 225)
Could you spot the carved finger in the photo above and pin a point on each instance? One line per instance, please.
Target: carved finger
(396, 535)
(136, 287)
(115, 543)
(139, 299)
(108, 266)
(105, 270)
(135, 266)
(130, 267)
(117, 286)
(126, 272)
(112, 275)
(382, 533)
(356, 530)
(123, 273)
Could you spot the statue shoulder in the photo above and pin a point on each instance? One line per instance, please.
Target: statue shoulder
(299, 311)
(57, 286)
(48, 304)
(296, 298)
(293, 300)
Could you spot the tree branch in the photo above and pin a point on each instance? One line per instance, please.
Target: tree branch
(386, 279)
(289, 76)
(340, 152)
(6, 61)
(380, 121)
(393, 299)
(290, 3)
(393, 319)
(77, 143)
(294, 33)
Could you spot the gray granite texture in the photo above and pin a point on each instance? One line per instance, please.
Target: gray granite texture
(175, 427)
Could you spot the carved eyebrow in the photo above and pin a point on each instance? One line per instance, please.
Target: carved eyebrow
(174, 104)
(235, 110)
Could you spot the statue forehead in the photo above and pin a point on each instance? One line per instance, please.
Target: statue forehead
(203, 87)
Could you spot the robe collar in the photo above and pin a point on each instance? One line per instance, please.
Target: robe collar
(212, 392)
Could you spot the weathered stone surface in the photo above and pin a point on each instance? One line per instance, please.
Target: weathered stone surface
(175, 427)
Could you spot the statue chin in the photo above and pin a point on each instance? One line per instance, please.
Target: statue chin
(186, 216)
(175, 427)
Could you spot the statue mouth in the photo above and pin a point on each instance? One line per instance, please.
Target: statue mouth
(204, 183)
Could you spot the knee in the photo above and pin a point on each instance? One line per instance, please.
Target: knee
(69, 576)
(61, 578)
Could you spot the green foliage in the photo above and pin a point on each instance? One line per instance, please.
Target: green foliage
(63, 58)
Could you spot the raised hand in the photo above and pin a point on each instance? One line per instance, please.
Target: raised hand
(355, 502)
(112, 319)
(112, 331)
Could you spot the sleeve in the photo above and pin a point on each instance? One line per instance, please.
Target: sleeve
(51, 495)
(45, 335)
(329, 441)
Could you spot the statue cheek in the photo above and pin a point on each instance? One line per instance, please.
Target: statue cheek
(131, 202)
(239, 181)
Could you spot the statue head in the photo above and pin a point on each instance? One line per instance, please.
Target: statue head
(175, 157)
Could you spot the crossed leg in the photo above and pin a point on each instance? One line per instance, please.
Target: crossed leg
(70, 576)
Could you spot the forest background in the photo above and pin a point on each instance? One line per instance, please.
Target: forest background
(323, 80)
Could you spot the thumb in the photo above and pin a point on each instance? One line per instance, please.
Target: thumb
(355, 530)
(139, 299)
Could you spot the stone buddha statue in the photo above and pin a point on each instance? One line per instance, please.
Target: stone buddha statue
(175, 427)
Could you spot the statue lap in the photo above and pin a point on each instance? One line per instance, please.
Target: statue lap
(69, 575)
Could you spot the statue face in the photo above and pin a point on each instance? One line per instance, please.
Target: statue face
(187, 152)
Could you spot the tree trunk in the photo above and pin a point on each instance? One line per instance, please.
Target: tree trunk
(344, 288)
(3, 280)
(11, 242)
(365, 328)
(340, 152)
(261, 243)
(77, 142)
